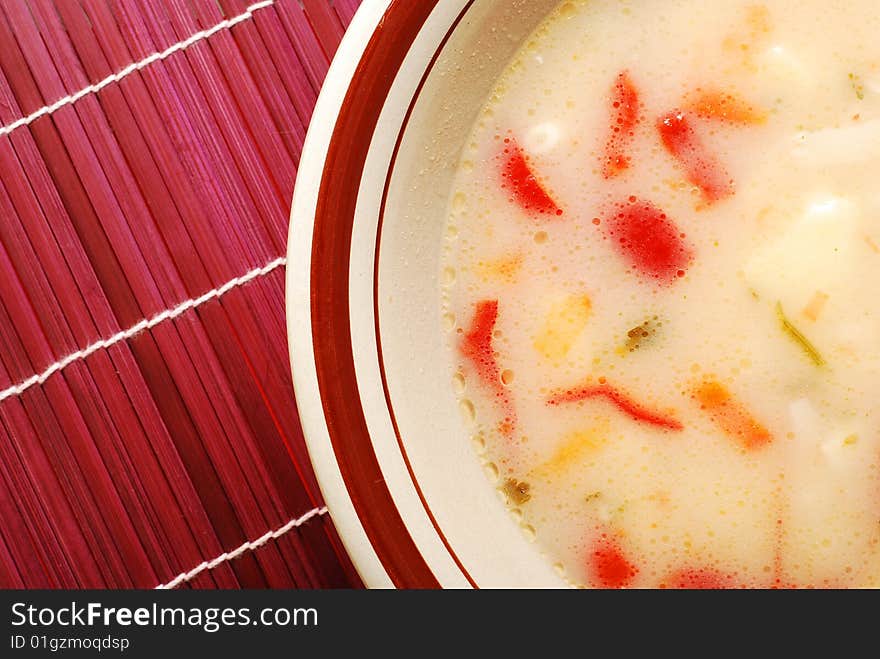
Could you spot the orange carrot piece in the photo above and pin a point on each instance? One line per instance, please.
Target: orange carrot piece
(730, 415)
(817, 303)
(724, 106)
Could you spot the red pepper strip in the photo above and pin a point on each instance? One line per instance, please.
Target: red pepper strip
(701, 167)
(779, 533)
(702, 579)
(623, 402)
(476, 345)
(518, 177)
(646, 237)
(609, 567)
(624, 118)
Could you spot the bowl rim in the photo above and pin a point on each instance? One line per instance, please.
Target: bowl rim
(319, 332)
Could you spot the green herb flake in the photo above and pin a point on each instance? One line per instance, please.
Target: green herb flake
(858, 87)
(792, 331)
(642, 334)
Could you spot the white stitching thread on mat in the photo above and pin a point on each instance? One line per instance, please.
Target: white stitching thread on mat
(136, 66)
(248, 546)
(145, 324)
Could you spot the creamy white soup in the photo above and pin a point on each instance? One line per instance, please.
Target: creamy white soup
(659, 290)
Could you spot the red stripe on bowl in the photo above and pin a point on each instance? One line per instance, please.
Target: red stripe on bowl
(331, 333)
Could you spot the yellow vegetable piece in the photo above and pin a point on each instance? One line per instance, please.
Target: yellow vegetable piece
(562, 327)
(758, 19)
(506, 268)
(742, 43)
(574, 448)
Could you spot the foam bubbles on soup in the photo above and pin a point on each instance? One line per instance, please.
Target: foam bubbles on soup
(658, 288)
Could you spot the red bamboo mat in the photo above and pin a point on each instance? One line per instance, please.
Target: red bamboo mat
(148, 433)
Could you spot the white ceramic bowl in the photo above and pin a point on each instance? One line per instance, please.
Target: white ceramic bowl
(371, 371)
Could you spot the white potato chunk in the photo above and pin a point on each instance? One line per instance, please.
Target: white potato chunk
(543, 138)
(829, 467)
(818, 252)
(847, 145)
(780, 65)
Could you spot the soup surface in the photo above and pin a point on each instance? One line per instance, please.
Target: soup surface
(662, 249)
